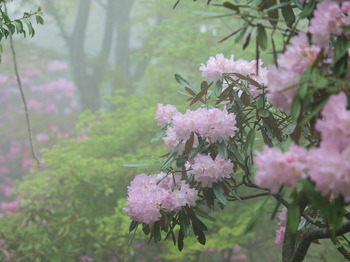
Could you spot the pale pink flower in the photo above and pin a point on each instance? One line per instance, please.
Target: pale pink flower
(275, 167)
(42, 137)
(208, 171)
(165, 114)
(282, 223)
(10, 207)
(215, 67)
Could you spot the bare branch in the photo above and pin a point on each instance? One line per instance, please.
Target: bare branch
(22, 95)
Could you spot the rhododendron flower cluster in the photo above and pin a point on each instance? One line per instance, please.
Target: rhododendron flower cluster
(280, 232)
(209, 171)
(276, 167)
(283, 85)
(216, 67)
(146, 198)
(212, 124)
(328, 20)
(329, 164)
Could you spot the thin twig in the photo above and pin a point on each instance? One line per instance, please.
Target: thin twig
(22, 95)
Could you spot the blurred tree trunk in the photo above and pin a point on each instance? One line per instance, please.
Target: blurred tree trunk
(88, 77)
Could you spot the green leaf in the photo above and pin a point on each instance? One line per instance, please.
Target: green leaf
(198, 223)
(133, 225)
(184, 223)
(157, 234)
(308, 9)
(236, 152)
(241, 35)
(19, 26)
(219, 193)
(167, 163)
(295, 108)
(262, 37)
(293, 218)
(218, 88)
(272, 12)
(182, 81)
(305, 78)
(222, 149)
(160, 134)
(180, 240)
(288, 13)
(199, 234)
(248, 145)
(203, 214)
(39, 19)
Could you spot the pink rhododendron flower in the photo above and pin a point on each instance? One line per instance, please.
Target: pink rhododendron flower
(275, 167)
(335, 125)
(146, 198)
(216, 67)
(42, 137)
(282, 223)
(283, 84)
(326, 21)
(209, 171)
(165, 114)
(10, 207)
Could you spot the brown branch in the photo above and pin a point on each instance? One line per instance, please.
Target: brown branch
(22, 95)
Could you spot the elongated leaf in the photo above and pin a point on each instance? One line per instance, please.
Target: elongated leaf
(272, 12)
(231, 6)
(137, 165)
(222, 149)
(247, 41)
(262, 37)
(249, 143)
(157, 235)
(288, 13)
(296, 108)
(200, 94)
(203, 214)
(199, 224)
(219, 193)
(182, 81)
(184, 223)
(133, 225)
(180, 240)
(160, 134)
(293, 218)
(218, 88)
(199, 234)
(236, 152)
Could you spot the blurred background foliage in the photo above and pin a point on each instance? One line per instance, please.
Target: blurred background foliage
(118, 58)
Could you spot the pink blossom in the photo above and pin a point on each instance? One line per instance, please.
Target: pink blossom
(335, 125)
(209, 171)
(10, 207)
(3, 79)
(326, 21)
(216, 67)
(34, 105)
(282, 223)
(275, 167)
(32, 72)
(165, 114)
(146, 198)
(42, 137)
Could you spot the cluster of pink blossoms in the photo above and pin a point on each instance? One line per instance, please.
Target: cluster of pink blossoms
(283, 84)
(209, 171)
(282, 223)
(276, 167)
(329, 20)
(146, 198)
(328, 165)
(216, 67)
(212, 124)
